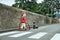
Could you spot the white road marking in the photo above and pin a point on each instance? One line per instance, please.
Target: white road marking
(7, 33)
(38, 35)
(56, 37)
(20, 34)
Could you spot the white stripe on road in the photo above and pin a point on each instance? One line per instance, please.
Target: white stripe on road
(20, 34)
(38, 35)
(7, 33)
(56, 37)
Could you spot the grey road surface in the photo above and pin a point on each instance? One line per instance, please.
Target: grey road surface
(49, 32)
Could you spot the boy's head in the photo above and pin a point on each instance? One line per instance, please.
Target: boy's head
(23, 13)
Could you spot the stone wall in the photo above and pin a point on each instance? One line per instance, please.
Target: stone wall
(10, 16)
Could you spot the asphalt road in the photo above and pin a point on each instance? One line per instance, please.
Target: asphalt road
(49, 32)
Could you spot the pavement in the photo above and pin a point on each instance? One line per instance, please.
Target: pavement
(7, 30)
(49, 32)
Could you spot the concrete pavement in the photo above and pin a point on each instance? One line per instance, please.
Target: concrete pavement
(49, 32)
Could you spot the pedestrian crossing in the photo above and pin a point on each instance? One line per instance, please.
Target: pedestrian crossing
(56, 37)
(20, 34)
(33, 35)
(38, 35)
(7, 33)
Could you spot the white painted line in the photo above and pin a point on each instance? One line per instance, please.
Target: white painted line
(38, 35)
(20, 34)
(7, 33)
(56, 37)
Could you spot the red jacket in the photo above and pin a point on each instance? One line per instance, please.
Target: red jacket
(23, 20)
